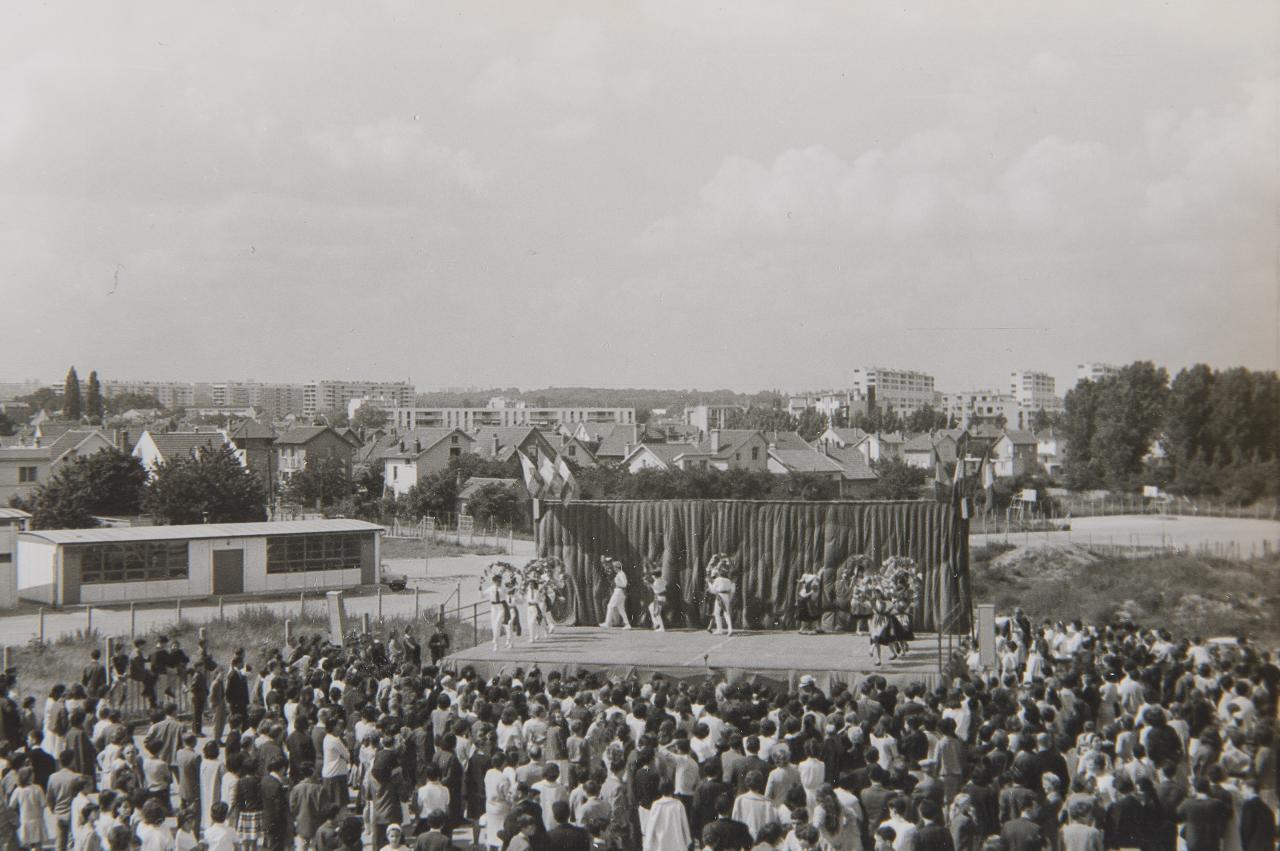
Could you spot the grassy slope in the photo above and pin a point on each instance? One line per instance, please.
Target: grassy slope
(257, 630)
(1189, 595)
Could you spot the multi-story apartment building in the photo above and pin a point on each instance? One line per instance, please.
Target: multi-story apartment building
(505, 413)
(899, 390)
(976, 407)
(836, 407)
(334, 395)
(274, 400)
(1034, 390)
(707, 418)
(170, 394)
(1095, 371)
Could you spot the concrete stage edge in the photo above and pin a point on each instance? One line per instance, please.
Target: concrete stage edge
(774, 657)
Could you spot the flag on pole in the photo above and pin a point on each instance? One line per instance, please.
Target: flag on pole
(570, 487)
(532, 481)
(939, 468)
(988, 476)
(550, 478)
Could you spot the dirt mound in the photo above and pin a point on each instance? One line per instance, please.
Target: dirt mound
(1045, 561)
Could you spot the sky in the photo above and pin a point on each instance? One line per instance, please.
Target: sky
(659, 193)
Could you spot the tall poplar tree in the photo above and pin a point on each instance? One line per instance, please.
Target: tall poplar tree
(71, 408)
(93, 399)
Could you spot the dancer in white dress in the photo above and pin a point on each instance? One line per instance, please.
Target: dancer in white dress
(535, 606)
(497, 609)
(722, 587)
(658, 587)
(618, 599)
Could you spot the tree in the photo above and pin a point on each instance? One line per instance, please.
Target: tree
(210, 487)
(494, 503)
(7, 425)
(1130, 413)
(1079, 416)
(370, 417)
(45, 399)
(811, 424)
(926, 419)
(1187, 421)
(321, 483)
(130, 401)
(898, 479)
(1042, 419)
(761, 418)
(93, 399)
(104, 483)
(71, 408)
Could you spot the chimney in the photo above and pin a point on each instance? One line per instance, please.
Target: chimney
(417, 445)
(402, 446)
(627, 449)
(495, 446)
(715, 441)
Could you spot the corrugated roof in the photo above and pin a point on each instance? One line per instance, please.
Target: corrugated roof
(13, 514)
(919, 443)
(24, 453)
(854, 464)
(126, 534)
(615, 443)
(1019, 436)
(849, 435)
(426, 437)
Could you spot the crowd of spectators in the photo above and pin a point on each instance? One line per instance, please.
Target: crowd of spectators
(1078, 738)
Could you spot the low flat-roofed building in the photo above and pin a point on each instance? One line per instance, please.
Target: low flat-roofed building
(64, 567)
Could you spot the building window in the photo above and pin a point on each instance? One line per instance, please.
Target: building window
(573, 450)
(755, 453)
(307, 553)
(134, 562)
(453, 439)
(455, 452)
(27, 474)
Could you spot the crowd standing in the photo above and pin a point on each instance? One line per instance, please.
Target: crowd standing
(1081, 738)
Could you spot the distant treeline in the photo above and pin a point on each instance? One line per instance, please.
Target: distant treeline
(609, 397)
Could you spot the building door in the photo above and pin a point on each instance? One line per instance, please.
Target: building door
(228, 571)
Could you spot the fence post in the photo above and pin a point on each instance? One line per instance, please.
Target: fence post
(417, 602)
(222, 611)
(133, 620)
(379, 602)
(288, 632)
(40, 624)
(302, 605)
(88, 622)
(475, 622)
(364, 623)
(8, 662)
(178, 610)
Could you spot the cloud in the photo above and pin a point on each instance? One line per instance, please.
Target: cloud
(570, 131)
(568, 69)
(398, 148)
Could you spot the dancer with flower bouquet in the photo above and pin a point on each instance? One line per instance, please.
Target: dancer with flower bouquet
(891, 594)
(618, 599)
(721, 584)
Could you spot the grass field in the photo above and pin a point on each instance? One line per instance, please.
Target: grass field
(413, 548)
(1187, 594)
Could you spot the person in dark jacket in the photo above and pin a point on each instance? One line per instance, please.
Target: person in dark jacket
(1023, 833)
(1124, 823)
(1204, 818)
(94, 677)
(1257, 821)
(300, 747)
(451, 776)
(932, 835)
(237, 686)
(275, 806)
(566, 836)
(306, 804)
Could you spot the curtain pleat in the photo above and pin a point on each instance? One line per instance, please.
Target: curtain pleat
(772, 543)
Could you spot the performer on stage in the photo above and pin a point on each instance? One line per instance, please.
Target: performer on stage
(902, 601)
(535, 596)
(511, 593)
(617, 600)
(722, 587)
(658, 588)
(497, 609)
(810, 603)
(881, 629)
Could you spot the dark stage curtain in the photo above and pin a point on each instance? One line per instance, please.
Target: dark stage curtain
(772, 542)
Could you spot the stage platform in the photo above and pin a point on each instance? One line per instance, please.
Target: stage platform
(776, 657)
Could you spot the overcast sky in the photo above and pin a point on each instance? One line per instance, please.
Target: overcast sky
(651, 193)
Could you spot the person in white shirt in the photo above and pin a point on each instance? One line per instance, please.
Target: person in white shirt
(618, 599)
(218, 836)
(550, 790)
(498, 610)
(336, 767)
(904, 830)
(668, 827)
(431, 796)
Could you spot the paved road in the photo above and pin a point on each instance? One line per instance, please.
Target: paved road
(1152, 530)
(436, 582)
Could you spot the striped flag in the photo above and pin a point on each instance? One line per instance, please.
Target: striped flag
(988, 475)
(570, 488)
(532, 481)
(551, 481)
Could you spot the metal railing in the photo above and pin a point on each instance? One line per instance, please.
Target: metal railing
(451, 528)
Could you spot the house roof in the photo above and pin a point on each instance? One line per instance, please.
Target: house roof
(13, 514)
(425, 437)
(24, 453)
(848, 435)
(475, 483)
(919, 443)
(615, 442)
(731, 440)
(582, 447)
(73, 440)
(1019, 437)
(509, 439)
(664, 452)
(851, 461)
(51, 430)
(890, 437)
(787, 440)
(199, 531)
(1046, 434)
(596, 432)
(806, 461)
(253, 430)
(299, 435)
(175, 444)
